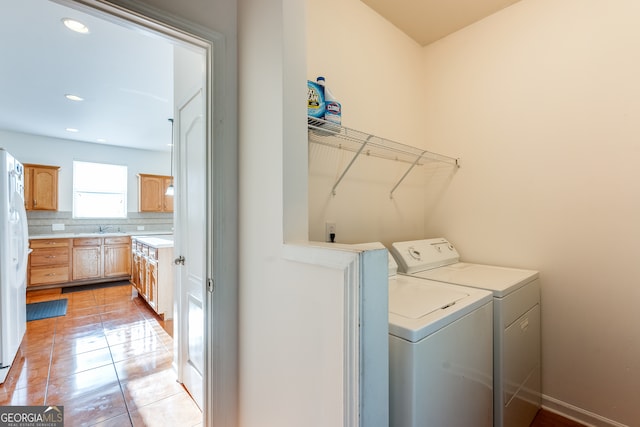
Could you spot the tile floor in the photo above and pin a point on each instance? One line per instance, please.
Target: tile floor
(107, 361)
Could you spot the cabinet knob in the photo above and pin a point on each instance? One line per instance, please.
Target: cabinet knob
(179, 260)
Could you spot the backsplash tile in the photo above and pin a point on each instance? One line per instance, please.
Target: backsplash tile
(40, 222)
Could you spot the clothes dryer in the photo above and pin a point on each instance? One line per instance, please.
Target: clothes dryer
(440, 353)
(516, 325)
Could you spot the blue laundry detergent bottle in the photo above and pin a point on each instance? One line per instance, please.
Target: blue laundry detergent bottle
(315, 105)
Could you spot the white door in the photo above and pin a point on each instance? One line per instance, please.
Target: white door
(190, 244)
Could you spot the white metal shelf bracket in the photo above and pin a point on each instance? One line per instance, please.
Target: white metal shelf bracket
(416, 162)
(413, 165)
(344, 172)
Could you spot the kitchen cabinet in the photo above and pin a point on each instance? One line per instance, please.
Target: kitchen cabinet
(49, 262)
(41, 187)
(87, 258)
(116, 256)
(137, 268)
(101, 258)
(151, 193)
(79, 260)
(152, 260)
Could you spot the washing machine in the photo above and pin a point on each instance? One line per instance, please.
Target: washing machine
(516, 324)
(440, 353)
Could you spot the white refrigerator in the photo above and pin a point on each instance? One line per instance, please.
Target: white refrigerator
(14, 250)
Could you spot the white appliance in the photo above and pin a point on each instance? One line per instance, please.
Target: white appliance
(516, 325)
(440, 353)
(14, 249)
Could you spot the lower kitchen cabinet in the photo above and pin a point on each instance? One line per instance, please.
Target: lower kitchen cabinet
(78, 261)
(48, 262)
(87, 259)
(152, 268)
(116, 256)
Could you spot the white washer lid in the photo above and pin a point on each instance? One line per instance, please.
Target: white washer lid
(415, 300)
(420, 307)
(499, 280)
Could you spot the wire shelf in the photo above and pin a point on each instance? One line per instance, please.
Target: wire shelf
(332, 135)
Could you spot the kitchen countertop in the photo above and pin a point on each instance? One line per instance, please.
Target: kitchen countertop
(114, 234)
(161, 241)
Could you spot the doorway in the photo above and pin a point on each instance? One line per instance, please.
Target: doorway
(218, 331)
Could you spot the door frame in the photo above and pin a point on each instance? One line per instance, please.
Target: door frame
(221, 297)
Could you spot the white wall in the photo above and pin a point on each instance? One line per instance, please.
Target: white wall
(290, 314)
(376, 73)
(540, 101)
(62, 152)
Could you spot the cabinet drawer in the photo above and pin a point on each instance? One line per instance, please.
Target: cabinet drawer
(88, 241)
(47, 275)
(49, 256)
(120, 240)
(48, 243)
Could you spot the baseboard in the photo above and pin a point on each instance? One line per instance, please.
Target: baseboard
(577, 414)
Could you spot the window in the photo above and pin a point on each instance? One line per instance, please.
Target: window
(99, 190)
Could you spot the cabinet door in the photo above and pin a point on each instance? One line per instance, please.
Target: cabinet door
(28, 186)
(135, 268)
(49, 256)
(48, 275)
(152, 284)
(116, 260)
(168, 200)
(87, 262)
(150, 191)
(142, 277)
(41, 187)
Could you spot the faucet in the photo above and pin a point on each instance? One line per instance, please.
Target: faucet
(103, 228)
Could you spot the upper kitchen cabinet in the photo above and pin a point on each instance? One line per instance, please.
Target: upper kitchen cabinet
(151, 193)
(41, 187)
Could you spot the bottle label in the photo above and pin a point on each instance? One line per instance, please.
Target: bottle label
(333, 112)
(315, 102)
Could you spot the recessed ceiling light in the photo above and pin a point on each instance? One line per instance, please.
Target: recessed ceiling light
(101, 140)
(72, 97)
(72, 130)
(74, 25)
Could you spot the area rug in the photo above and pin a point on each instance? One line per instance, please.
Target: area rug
(46, 309)
(78, 288)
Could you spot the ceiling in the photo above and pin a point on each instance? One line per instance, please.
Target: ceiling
(426, 21)
(125, 75)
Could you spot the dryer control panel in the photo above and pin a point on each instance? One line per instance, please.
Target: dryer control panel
(419, 255)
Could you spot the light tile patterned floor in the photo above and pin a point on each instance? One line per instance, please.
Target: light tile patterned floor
(107, 361)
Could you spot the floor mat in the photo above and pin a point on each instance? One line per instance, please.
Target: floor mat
(46, 309)
(78, 288)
